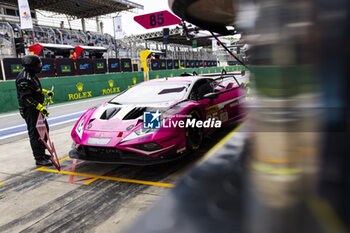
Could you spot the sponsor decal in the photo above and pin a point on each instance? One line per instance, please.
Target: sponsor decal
(80, 86)
(84, 66)
(110, 83)
(46, 68)
(16, 68)
(65, 68)
(81, 94)
(144, 138)
(134, 81)
(114, 65)
(224, 116)
(100, 65)
(127, 65)
(111, 89)
(211, 110)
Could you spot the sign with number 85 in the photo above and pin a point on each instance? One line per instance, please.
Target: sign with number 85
(157, 19)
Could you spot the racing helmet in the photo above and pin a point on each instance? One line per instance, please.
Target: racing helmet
(32, 63)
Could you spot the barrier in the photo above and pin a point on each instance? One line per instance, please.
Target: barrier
(12, 66)
(177, 72)
(113, 65)
(162, 64)
(155, 64)
(176, 64)
(84, 66)
(182, 63)
(100, 66)
(65, 67)
(82, 87)
(196, 64)
(126, 65)
(192, 64)
(1, 76)
(169, 64)
(48, 69)
(73, 88)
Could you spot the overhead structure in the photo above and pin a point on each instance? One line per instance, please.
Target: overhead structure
(80, 8)
(176, 36)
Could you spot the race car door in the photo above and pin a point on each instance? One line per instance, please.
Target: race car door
(221, 104)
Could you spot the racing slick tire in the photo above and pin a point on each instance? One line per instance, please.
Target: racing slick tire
(194, 135)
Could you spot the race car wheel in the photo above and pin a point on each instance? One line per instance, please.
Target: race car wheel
(194, 135)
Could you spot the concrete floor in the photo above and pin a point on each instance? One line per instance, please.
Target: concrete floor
(34, 201)
(39, 199)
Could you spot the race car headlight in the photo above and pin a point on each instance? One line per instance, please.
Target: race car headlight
(138, 133)
(143, 131)
(149, 146)
(80, 127)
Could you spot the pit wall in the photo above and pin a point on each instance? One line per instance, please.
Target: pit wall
(83, 87)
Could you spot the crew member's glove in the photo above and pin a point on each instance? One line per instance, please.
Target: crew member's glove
(43, 110)
(48, 93)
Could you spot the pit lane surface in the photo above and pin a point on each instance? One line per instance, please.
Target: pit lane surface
(84, 197)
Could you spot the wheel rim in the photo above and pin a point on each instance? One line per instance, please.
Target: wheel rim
(194, 133)
(195, 136)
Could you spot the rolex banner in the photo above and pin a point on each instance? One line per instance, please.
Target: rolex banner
(25, 15)
(118, 30)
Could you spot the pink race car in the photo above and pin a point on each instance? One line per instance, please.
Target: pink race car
(158, 120)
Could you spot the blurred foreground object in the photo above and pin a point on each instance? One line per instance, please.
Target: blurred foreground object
(293, 174)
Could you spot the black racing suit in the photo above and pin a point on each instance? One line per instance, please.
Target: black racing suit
(29, 94)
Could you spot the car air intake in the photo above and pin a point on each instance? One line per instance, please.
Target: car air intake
(109, 113)
(135, 113)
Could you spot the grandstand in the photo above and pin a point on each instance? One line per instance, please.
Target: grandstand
(59, 42)
(82, 9)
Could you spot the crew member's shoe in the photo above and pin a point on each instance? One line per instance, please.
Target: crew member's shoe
(47, 157)
(43, 162)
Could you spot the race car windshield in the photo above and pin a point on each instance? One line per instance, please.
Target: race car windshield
(152, 93)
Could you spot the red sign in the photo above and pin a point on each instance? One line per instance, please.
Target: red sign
(157, 19)
(44, 134)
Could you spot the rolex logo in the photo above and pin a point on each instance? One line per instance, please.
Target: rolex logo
(80, 86)
(134, 80)
(110, 83)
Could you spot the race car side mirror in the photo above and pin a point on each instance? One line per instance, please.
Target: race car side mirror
(211, 96)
